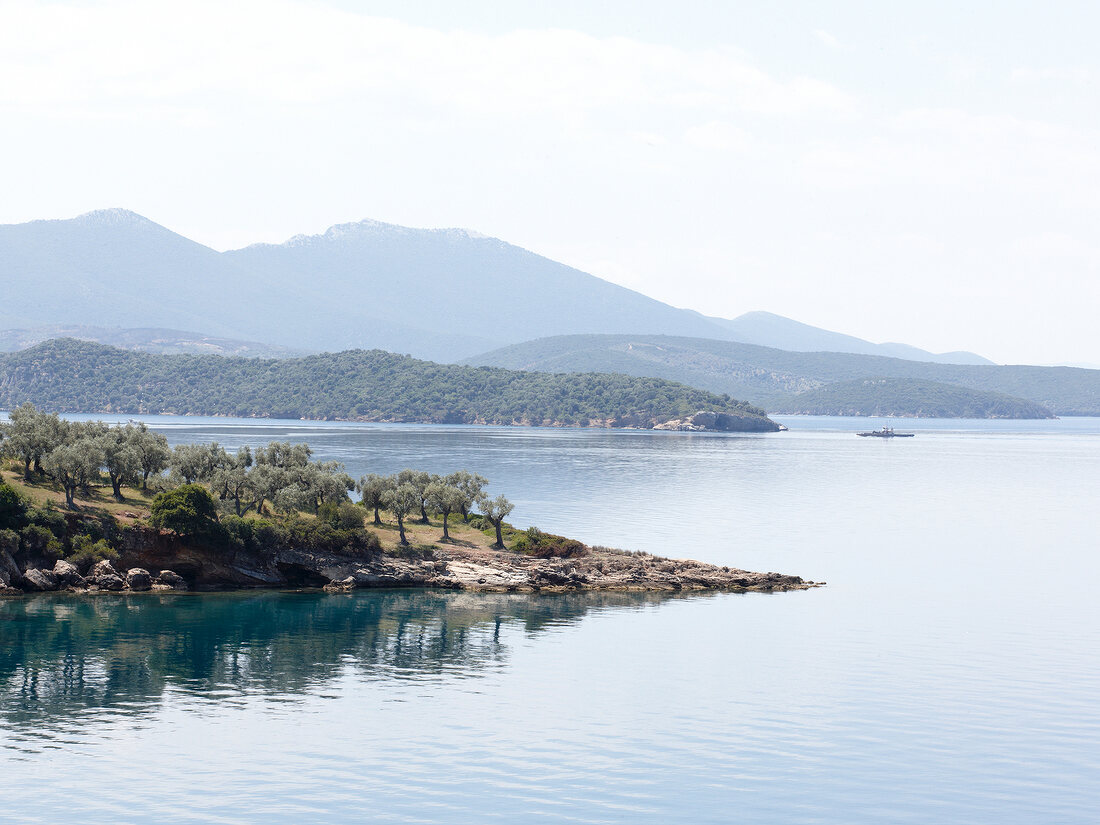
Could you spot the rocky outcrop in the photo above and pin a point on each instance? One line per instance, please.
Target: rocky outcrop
(9, 572)
(67, 574)
(103, 576)
(704, 421)
(138, 579)
(455, 567)
(458, 568)
(36, 580)
(170, 580)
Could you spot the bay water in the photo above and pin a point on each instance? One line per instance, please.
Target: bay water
(947, 673)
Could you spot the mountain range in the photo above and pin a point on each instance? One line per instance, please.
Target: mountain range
(442, 294)
(794, 382)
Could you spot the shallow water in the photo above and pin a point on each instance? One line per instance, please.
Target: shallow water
(946, 674)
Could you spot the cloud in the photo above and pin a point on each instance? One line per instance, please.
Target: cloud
(1056, 74)
(826, 38)
(128, 53)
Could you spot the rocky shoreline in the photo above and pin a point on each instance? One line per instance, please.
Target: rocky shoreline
(158, 561)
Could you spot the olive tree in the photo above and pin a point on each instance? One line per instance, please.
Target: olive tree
(374, 487)
(233, 481)
(74, 466)
(152, 449)
(444, 499)
(198, 462)
(401, 500)
(496, 510)
(31, 434)
(121, 460)
(471, 486)
(419, 481)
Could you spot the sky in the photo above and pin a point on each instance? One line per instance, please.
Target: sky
(919, 172)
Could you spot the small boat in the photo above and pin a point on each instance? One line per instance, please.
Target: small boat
(886, 432)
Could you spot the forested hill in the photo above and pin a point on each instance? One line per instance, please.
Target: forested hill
(774, 378)
(366, 385)
(908, 397)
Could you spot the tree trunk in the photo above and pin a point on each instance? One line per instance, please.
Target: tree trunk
(145, 480)
(446, 535)
(27, 469)
(116, 488)
(377, 518)
(70, 492)
(401, 530)
(500, 539)
(423, 514)
(465, 515)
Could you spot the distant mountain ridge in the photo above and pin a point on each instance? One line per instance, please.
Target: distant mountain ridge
(442, 294)
(777, 379)
(160, 341)
(769, 330)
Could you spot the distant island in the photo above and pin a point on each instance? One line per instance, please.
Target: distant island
(78, 376)
(826, 383)
(86, 507)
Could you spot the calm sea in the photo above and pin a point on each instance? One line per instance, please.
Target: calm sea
(947, 674)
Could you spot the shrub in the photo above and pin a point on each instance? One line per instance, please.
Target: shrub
(424, 552)
(542, 545)
(342, 515)
(86, 552)
(13, 507)
(239, 532)
(189, 510)
(9, 541)
(50, 518)
(34, 538)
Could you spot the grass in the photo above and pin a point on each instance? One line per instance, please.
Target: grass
(135, 508)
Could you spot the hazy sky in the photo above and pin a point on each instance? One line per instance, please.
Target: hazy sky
(925, 172)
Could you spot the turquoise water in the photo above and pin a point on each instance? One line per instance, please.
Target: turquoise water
(947, 674)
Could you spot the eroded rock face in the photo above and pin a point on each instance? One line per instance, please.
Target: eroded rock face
(111, 582)
(138, 579)
(172, 580)
(103, 567)
(67, 574)
(39, 581)
(8, 567)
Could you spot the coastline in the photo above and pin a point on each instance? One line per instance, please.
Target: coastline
(153, 560)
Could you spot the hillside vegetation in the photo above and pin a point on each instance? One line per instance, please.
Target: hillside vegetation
(774, 378)
(908, 398)
(77, 376)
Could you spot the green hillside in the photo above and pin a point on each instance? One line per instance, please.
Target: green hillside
(770, 378)
(909, 398)
(365, 385)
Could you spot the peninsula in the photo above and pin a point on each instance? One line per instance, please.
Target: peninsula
(87, 508)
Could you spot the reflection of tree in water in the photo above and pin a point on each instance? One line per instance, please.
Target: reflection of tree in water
(60, 655)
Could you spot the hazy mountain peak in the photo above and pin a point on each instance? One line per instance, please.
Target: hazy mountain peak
(372, 228)
(436, 293)
(112, 217)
